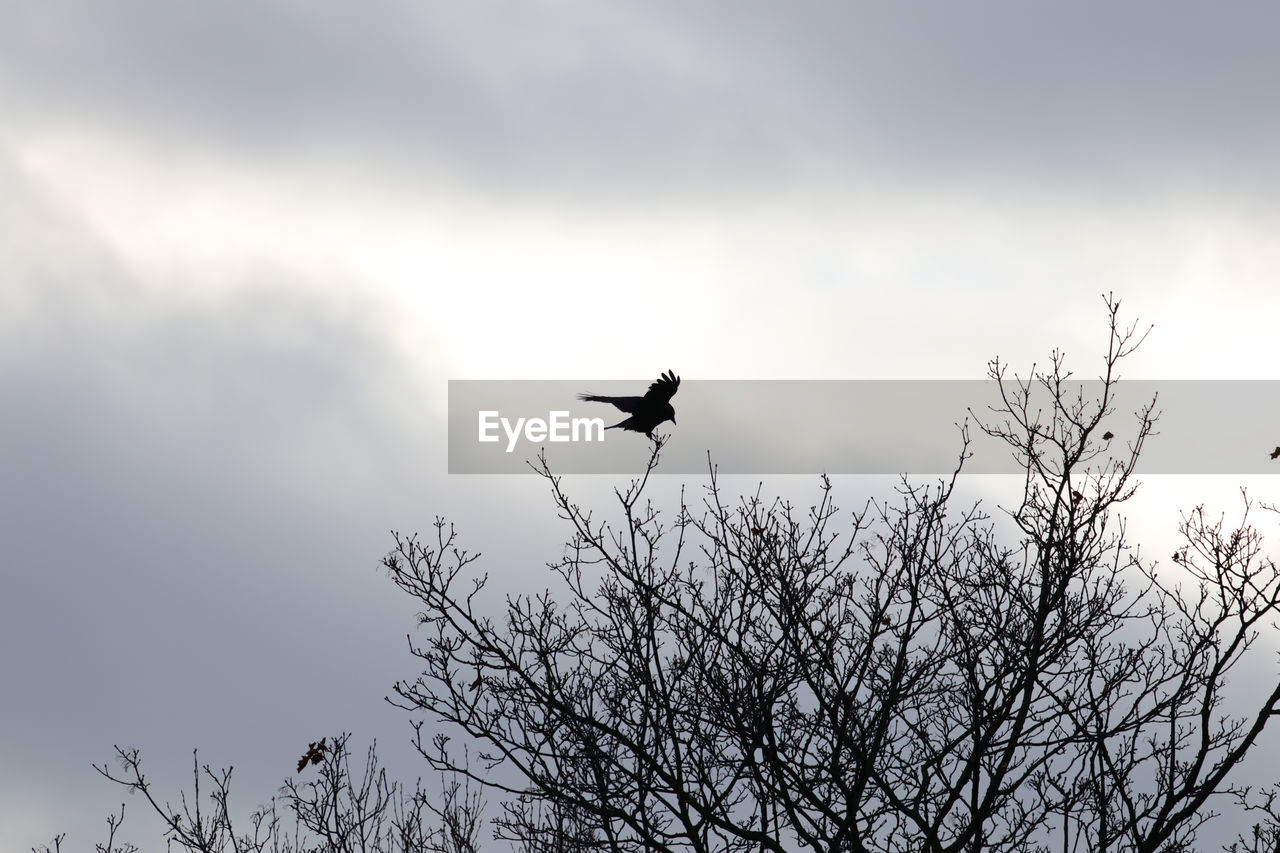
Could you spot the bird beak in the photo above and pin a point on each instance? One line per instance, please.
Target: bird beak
(673, 420)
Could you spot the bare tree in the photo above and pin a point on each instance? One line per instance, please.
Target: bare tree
(333, 811)
(192, 824)
(750, 675)
(114, 822)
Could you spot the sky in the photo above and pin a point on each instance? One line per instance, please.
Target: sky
(245, 245)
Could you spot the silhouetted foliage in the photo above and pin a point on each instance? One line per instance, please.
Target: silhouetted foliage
(749, 675)
(114, 822)
(334, 811)
(313, 755)
(746, 674)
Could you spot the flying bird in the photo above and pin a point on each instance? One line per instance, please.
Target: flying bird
(647, 411)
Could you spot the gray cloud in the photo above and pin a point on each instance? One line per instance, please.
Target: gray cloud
(197, 488)
(197, 492)
(193, 509)
(617, 98)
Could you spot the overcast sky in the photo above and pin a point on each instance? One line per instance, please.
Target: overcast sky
(244, 245)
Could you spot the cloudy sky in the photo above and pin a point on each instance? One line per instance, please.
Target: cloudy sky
(245, 245)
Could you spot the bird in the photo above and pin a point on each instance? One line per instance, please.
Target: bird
(1275, 453)
(646, 412)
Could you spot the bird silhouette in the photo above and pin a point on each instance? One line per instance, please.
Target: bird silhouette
(1275, 453)
(647, 411)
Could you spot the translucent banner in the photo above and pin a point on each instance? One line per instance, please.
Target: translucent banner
(846, 427)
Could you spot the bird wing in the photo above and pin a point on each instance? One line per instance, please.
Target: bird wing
(664, 388)
(627, 404)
